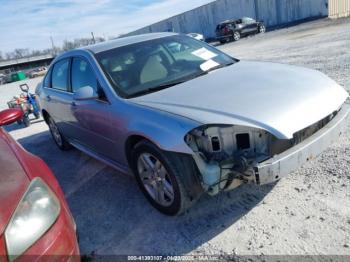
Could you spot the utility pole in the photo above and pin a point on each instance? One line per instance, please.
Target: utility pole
(93, 38)
(53, 46)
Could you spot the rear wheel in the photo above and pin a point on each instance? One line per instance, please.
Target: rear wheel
(168, 180)
(59, 139)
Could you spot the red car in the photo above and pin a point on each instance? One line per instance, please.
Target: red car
(35, 220)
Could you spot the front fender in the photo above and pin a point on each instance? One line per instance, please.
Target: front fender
(164, 129)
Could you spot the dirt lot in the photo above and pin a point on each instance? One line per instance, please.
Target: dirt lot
(306, 213)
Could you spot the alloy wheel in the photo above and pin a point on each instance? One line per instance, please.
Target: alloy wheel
(236, 36)
(55, 132)
(155, 179)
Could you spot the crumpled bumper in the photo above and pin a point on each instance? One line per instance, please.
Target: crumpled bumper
(281, 165)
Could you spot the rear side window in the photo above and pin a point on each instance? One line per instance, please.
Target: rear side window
(60, 75)
(82, 75)
(47, 79)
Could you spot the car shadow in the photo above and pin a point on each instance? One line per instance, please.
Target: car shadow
(16, 126)
(113, 217)
(216, 43)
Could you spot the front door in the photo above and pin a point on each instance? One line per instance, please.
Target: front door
(250, 25)
(92, 125)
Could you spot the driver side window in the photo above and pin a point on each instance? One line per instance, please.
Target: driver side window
(248, 21)
(82, 75)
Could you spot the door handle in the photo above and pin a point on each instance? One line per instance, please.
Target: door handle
(48, 98)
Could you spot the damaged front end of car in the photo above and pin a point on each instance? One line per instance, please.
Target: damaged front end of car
(228, 155)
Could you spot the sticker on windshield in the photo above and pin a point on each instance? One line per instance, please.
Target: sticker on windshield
(208, 65)
(204, 53)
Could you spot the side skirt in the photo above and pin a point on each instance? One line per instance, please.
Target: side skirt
(103, 159)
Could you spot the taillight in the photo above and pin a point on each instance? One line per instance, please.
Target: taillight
(226, 30)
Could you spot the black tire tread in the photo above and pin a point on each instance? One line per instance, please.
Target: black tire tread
(182, 166)
(65, 144)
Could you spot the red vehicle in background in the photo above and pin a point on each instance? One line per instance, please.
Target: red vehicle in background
(35, 220)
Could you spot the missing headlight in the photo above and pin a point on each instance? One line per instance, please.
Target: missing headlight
(225, 155)
(243, 141)
(215, 144)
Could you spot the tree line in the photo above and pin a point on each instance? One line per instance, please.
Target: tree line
(67, 45)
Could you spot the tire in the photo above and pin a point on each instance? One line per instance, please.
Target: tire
(26, 121)
(176, 175)
(57, 136)
(236, 36)
(262, 29)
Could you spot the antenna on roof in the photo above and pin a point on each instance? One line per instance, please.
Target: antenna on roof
(93, 38)
(53, 46)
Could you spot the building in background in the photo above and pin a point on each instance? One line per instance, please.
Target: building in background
(339, 8)
(23, 64)
(274, 13)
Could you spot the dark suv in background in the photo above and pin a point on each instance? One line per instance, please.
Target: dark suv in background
(232, 30)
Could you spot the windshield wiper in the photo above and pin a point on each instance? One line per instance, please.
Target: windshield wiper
(219, 66)
(212, 69)
(156, 88)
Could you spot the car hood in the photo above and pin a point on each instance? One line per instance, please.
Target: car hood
(13, 182)
(280, 99)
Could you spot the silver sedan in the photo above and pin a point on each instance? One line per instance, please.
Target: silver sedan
(186, 118)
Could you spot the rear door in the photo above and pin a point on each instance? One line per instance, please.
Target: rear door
(92, 122)
(57, 98)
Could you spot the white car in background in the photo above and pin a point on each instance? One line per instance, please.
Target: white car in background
(196, 36)
(41, 71)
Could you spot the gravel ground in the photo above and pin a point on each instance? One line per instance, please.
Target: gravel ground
(307, 213)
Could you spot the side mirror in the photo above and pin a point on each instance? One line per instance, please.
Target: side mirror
(10, 116)
(85, 93)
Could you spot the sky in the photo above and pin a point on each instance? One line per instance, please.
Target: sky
(31, 23)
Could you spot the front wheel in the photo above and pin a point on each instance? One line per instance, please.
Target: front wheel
(236, 36)
(168, 180)
(262, 29)
(59, 139)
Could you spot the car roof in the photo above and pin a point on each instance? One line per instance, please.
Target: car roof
(124, 41)
(234, 20)
(227, 22)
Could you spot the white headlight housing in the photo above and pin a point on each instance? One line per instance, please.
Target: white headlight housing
(35, 214)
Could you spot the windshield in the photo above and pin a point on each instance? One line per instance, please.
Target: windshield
(149, 66)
